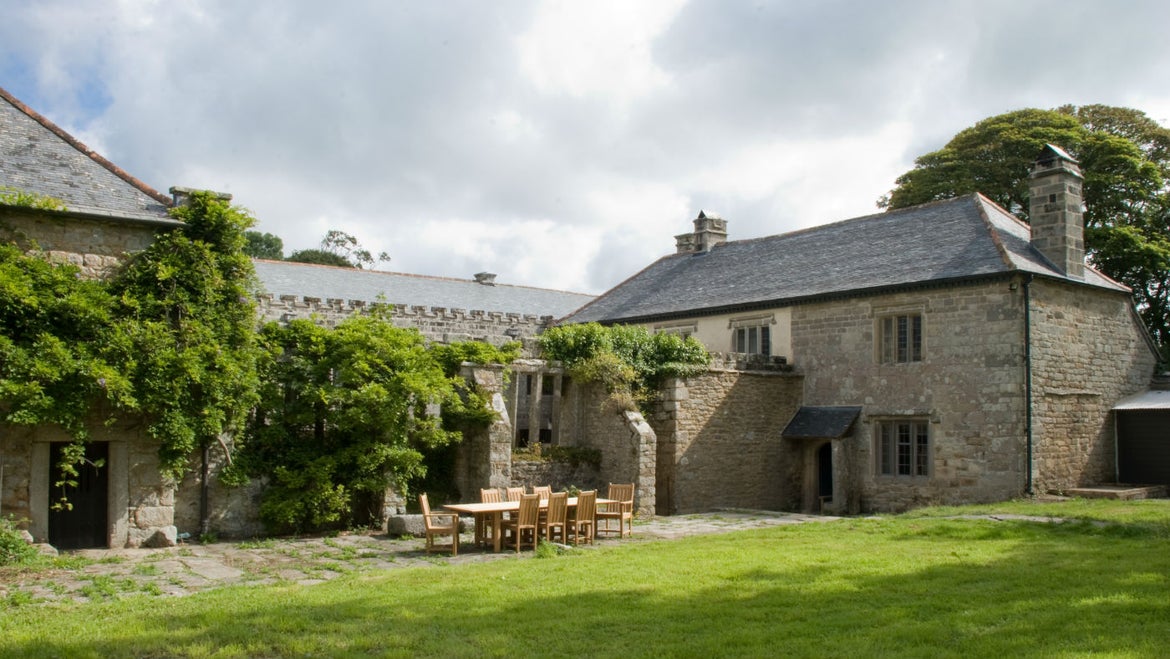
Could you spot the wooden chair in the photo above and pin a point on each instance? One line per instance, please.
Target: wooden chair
(622, 512)
(524, 524)
(485, 528)
(514, 493)
(543, 491)
(436, 528)
(556, 520)
(584, 519)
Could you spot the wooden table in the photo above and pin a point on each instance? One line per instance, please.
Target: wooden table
(495, 511)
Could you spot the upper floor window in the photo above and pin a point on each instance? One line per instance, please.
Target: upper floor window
(900, 338)
(755, 340)
(903, 448)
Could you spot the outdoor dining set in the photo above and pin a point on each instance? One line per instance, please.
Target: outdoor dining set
(517, 518)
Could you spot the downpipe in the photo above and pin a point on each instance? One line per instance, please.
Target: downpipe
(1028, 486)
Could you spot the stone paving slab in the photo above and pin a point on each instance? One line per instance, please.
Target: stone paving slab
(175, 571)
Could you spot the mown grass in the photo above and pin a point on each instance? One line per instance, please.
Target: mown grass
(926, 584)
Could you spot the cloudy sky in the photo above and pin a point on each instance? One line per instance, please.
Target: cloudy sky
(558, 144)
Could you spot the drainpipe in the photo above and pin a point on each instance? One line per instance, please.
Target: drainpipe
(1028, 378)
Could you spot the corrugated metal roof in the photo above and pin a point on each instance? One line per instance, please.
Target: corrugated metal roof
(1154, 399)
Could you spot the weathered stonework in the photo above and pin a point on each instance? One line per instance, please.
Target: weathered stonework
(719, 440)
(1087, 353)
(95, 245)
(437, 324)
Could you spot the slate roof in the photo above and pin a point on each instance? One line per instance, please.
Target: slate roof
(821, 422)
(330, 282)
(38, 156)
(945, 241)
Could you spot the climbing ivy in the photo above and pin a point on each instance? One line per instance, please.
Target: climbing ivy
(186, 306)
(348, 411)
(629, 360)
(15, 197)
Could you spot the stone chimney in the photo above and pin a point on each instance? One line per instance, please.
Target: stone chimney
(1056, 211)
(182, 196)
(710, 230)
(485, 278)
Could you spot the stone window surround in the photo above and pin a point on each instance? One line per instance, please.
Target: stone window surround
(883, 313)
(682, 329)
(877, 423)
(736, 324)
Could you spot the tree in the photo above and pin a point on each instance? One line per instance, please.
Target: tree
(263, 246)
(341, 249)
(1125, 158)
(186, 302)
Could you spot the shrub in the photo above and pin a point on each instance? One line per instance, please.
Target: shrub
(13, 548)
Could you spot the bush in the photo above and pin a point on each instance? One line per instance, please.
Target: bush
(13, 548)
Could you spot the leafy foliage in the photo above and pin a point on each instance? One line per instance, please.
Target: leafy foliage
(340, 249)
(13, 549)
(15, 197)
(1125, 158)
(61, 349)
(629, 360)
(187, 306)
(346, 412)
(263, 246)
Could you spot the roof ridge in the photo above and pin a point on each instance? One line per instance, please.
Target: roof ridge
(88, 152)
(414, 275)
(861, 218)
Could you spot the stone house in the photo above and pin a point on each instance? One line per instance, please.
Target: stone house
(109, 214)
(945, 353)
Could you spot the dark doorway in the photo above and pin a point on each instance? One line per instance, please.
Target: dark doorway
(86, 525)
(825, 473)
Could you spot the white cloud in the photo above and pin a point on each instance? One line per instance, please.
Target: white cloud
(558, 144)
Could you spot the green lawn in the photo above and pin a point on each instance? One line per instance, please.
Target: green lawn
(918, 585)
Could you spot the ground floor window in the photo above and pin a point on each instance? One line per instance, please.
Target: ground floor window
(903, 448)
(752, 340)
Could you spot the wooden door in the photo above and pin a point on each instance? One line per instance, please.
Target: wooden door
(86, 524)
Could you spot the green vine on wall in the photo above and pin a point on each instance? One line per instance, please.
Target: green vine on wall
(629, 360)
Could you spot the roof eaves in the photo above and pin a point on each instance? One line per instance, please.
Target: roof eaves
(100, 214)
(968, 280)
(88, 152)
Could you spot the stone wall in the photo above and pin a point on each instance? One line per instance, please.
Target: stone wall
(1088, 352)
(437, 324)
(628, 445)
(969, 387)
(140, 503)
(719, 441)
(92, 244)
(233, 512)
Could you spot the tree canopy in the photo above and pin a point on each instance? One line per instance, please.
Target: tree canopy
(263, 246)
(341, 249)
(1125, 158)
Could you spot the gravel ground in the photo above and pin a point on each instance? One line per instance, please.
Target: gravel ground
(106, 573)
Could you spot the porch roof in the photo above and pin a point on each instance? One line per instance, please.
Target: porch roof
(811, 422)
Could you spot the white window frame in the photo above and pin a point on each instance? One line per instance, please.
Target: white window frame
(685, 330)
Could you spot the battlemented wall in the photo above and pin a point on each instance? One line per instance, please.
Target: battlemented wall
(1088, 352)
(437, 324)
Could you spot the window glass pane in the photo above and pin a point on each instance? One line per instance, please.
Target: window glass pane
(904, 449)
(902, 339)
(886, 450)
(739, 341)
(765, 340)
(753, 347)
(916, 339)
(921, 450)
(887, 333)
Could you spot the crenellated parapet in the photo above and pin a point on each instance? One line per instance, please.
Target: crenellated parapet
(439, 324)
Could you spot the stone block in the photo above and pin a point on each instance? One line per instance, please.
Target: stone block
(154, 517)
